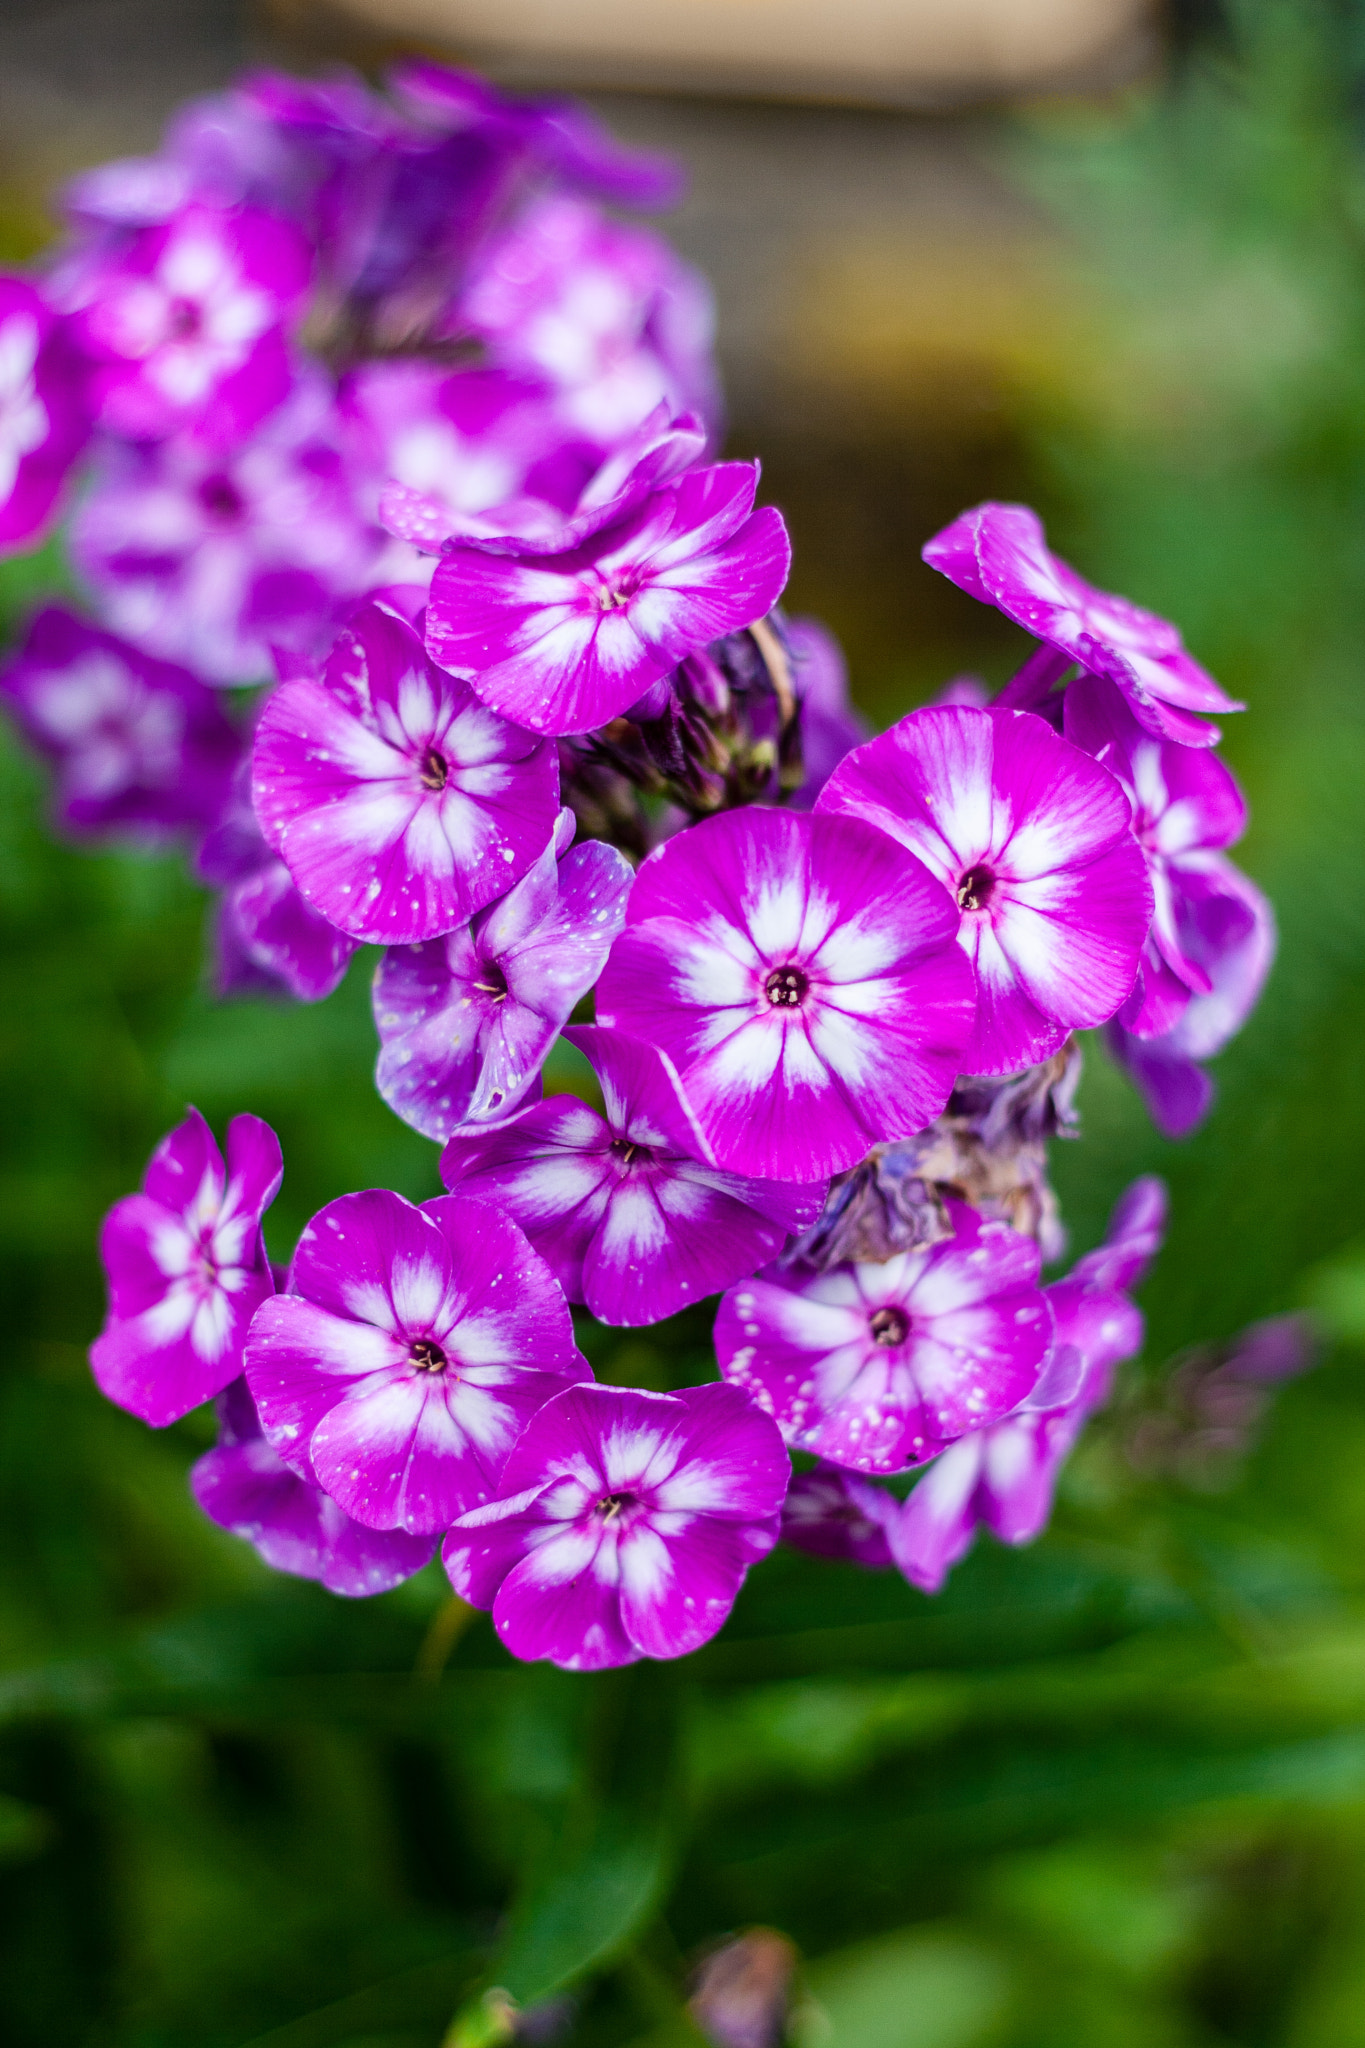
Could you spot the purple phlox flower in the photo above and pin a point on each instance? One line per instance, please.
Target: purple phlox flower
(626, 1524)
(411, 1349)
(880, 1366)
(138, 745)
(399, 803)
(267, 938)
(187, 1268)
(1032, 839)
(1225, 927)
(802, 976)
(839, 1515)
(1185, 805)
(467, 451)
(998, 553)
(605, 311)
(965, 690)
(246, 1487)
(565, 642)
(218, 558)
(830, 726)
(465, 1021)
(186, 324)
(562, 135)
(624, 1207)
(44, 415)
(1003, 1478)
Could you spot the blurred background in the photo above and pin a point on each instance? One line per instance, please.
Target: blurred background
(1101, 255)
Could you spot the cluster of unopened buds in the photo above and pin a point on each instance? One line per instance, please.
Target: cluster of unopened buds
(364, 405)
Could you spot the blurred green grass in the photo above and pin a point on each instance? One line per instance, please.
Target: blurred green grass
(1110, 1790)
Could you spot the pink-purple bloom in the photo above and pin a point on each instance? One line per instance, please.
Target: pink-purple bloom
(186, 1265)
(563, 642)
(245, 1486)
(623, 1206)
(217, 557)
(802, 975)
(833, 1513)
(1032, 839)
(625, 1525)
(411, 1348)
(1003, 1478)
(399, 803)
(185, 324)
(999, 554)
(604, 312)
(465, 1021)
(137, 745)
(880, 1366)
(44, 413)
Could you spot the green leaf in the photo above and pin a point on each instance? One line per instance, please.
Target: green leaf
(585, 1912)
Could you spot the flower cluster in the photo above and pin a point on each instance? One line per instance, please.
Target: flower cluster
(380, 405)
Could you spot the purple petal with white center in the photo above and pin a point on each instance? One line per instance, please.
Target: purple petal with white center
(802, 976)
(44, 413)
(401, 818)
(187, 1268)
(564, 643)
(413, 1347)
(284, 937)
(626, 1525)
(877, 1367)
(1032, 838)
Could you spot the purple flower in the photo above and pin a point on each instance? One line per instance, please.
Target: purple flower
(185, 324)
(268, 939)
(604, 312)
(880, 1366)
(465, 1021)
(998, 553)
(412, 1347)
(1003, 1478)
(832, 1513)
(44, 421)
(565, 642)
(626, 1524)
(1185, 804)
(621, 1206)
(1032, 839)
(187, 1268)
(218, 558)
(246, 1487)
(802, 976)
(1225, 927)
(473, 451)
(399, 803)
(137, 745)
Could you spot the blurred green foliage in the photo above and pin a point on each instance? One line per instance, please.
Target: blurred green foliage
(1107, 1791)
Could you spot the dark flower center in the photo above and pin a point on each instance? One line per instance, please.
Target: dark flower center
(435, 770)
(611, 1504)
(787, 988)
(427, 1355)
(890, 1326)
(186, 318)
(221, 498)
(976, 889)
(625, 1150)
(492, 981)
